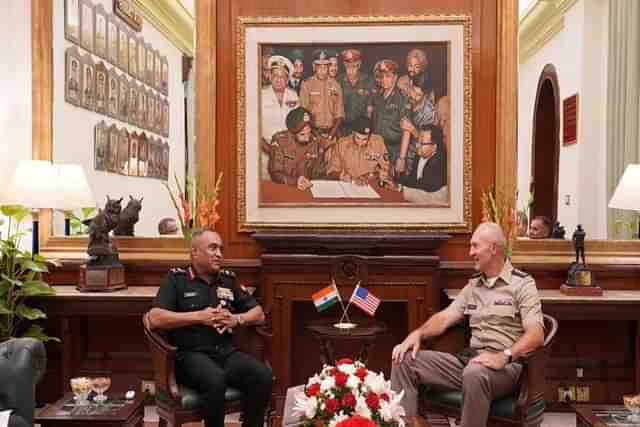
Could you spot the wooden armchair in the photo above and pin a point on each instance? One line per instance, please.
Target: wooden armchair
(524, 408)
(178, 404)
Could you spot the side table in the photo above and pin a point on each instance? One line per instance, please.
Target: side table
(115, 412)
(327, 334)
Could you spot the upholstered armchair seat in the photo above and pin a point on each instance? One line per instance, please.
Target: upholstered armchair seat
(190, 399)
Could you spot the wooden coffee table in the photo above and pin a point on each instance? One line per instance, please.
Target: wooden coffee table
(587, 416)
(115, 412)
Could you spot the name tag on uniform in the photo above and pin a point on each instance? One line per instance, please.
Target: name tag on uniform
(372, 156)
(471, 306)
(224, 293)
(314, 93)
(504, 301)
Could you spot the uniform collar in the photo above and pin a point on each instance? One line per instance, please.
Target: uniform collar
(505, 275)
(193, 275)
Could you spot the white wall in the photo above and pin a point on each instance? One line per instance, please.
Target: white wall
(73, 131)
(15, 86)
(565, 52)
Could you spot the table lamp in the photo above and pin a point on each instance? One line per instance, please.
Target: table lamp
(627, 194)
(32, 185)
(73, 191)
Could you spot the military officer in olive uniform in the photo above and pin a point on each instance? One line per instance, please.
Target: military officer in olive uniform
(322, 96)
(357, 89)
(389, 107)
(506, 322)
(359, 156)
(200, 307)
(298, 155)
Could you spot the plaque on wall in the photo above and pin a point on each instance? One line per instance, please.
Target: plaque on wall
(128, 13)
(123, 49)
(72, 21)
(132, 110)
(100, 42)
(157, 71)
(165, 117)
(122, 97)
(113, 93)
(88, 83)
(87, 25)
(101, 145)
(165, 75)
(148, 74)
(133, 55)
(101, 88)
(143, 154)
(73, 69)
(123, 152)
(142, 59)
(157, 116)
(134, 142)
(142, 105)
(165, 160)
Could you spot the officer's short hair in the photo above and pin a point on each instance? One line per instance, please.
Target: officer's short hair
(163, 226)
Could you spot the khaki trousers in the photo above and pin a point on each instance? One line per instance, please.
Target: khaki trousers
(479, 385)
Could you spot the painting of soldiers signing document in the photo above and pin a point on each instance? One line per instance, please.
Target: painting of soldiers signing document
(367, 123)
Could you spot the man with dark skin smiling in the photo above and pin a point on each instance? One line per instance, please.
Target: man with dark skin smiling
(506, 322)
(200, 306)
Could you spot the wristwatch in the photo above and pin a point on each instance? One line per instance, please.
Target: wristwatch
(240, 319)
(507, 352)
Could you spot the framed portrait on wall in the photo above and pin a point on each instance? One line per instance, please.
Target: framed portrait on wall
(142, 59)
(100, 42)
(88, 83)
(123, 48)
(112, 151)
(112, 40)
(157, 116)
(165, 161)
(73, 76)
(399, 86)
(154, 157)
(132, 99)
(133, 55)
(113, 93)
(72, 20)
(87, 24)
(134, 141)
(123, 152)
(123, 85)
(165, 118)
(101, 88)
(148, 74)
(164, 75)
(142, 106)
(157, 71)
(101, 146)
(143, 154)
(151, 108)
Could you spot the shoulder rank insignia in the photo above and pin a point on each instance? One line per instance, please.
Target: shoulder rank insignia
(519, 273)
(178, 270)
(228, 273)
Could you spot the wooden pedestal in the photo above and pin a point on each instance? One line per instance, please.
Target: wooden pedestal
(101, 278)
(581, 291)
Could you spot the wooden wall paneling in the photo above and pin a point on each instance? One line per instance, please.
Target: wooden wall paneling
(484, 64)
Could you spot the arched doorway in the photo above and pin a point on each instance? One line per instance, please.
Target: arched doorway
(545, 155)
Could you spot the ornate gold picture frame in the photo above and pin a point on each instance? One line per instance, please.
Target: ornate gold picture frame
(385, 48)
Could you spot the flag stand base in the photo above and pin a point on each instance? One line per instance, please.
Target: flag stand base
(345, 325)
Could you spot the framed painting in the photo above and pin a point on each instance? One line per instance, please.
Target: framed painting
(157, 71)
(165, 75)
(72, 21)
(354, 122)
(123, 152)
(123, 105)
(132, 109)
(134, 143)
(112, 40)
(133, 56)
(87, 24)
(100, 42)
(113, 93)
(73, 67)
(123, 48)
(143, 154)
(88, 83)
(112, 148)
(148, 73)
(142, 59)
(101, 88)
(101, 144)
(142, 106)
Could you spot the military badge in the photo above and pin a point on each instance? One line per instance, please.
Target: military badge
(291, 104)
(225, 294)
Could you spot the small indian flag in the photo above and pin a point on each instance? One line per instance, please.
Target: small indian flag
(326, 297)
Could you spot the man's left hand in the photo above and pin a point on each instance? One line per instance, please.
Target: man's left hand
(496, 361)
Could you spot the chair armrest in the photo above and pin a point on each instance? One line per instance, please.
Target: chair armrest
(532, 382)
(163, 358)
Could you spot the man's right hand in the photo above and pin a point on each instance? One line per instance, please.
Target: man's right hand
(304, 183)
(208, 316)
(412, 342)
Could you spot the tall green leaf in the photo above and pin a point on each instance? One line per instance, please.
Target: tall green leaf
(30, 313)
(36, 287)
(37, 332)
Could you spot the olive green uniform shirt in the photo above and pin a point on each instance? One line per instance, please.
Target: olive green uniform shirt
(387, 113)
(357, 98)
(498, 311)
(323, 98)
(357, 161)
(290, 159)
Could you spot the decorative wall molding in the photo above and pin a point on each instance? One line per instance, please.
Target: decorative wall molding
(173, 20)
(539, 24)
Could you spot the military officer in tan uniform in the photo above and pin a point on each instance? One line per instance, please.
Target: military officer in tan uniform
(322, 96)
(298, 155)
(359, 156)
(506, 322)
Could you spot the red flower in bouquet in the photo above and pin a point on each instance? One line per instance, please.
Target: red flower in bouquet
(373, 401)
(313, 389)
(356, 421)
(341, 378)
(349, 400)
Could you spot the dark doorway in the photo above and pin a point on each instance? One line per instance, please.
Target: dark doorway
(545, 155)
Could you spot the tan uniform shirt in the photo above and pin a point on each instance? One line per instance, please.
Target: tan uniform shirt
(498, 311)
(290, 159)
(356, 161)
(323, 98)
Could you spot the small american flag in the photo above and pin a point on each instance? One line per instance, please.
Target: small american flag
(365, 300)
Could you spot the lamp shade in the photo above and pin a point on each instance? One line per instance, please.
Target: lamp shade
(72, 188)
(627, 194)
(31, 185)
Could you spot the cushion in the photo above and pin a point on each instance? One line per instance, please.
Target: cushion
(191, 399)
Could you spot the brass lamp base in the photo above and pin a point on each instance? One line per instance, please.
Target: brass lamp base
(101, 278)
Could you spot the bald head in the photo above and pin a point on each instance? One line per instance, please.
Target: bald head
(492, 233)
(487, 248)
(206, 251)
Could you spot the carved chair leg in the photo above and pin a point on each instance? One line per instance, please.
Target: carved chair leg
(162, 422)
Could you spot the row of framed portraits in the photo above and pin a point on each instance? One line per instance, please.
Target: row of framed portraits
(96, 87)
(105, 35)
(117, 150)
